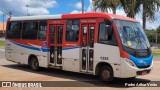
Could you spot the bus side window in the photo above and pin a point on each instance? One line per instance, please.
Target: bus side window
(14, 30)
(60, 34)
(72, 32)
(103, 35)
(30, 29)
(52, 36)
(92, 36)
(106, 34)
(42, 30)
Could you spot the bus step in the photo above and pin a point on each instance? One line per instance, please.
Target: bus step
(56, 67)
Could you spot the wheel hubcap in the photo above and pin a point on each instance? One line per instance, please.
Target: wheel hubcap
(34, 64)
(105, 74)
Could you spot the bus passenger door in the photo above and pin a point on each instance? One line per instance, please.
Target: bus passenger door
(87, 47)
(56, 32)
(59, 45)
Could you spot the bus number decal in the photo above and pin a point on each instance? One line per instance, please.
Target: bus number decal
(104, 58)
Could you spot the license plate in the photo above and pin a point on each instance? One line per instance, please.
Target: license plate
(144, 72)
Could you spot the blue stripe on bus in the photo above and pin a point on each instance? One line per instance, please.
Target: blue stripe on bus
(45, 49)
(71, 48)
(142, 61)
(42, 49)
(29, 47)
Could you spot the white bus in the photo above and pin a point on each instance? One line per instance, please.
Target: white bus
(100, 44)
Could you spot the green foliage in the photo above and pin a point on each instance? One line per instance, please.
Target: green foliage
(156, 52)
(158, 38)
(158, 30)
(150, 8)
(151, 34)
(2, 43)
(131, 7)
(151, 38)
(105, 5)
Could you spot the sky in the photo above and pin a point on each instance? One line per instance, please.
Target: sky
(45, 7)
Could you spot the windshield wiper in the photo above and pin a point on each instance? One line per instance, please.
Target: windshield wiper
(140, 41)
(144, 42)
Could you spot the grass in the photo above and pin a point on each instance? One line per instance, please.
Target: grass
(156, 52)
(2, 43)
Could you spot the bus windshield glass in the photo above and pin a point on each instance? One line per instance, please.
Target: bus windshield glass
(131, 34)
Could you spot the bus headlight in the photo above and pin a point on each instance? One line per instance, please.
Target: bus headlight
(130, 62)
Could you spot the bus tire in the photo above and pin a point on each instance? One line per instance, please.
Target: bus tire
(105, 74)
(34, 64)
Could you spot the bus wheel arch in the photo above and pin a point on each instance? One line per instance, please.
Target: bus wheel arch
(100, 67)
(33, 62)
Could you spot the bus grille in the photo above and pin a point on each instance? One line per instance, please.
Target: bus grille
(141, 67)
(142, 53)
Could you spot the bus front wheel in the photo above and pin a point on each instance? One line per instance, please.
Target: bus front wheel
(34, 64)
(106, 74)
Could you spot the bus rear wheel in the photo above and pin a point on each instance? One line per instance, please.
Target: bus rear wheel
(106, 74)
(34, 64)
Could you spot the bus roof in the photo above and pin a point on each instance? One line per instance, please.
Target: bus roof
(97, 14)
(67, 16)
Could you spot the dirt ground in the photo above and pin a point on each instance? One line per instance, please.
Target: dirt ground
(14, 72)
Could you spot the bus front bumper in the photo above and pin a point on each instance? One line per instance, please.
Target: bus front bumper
(128, 70)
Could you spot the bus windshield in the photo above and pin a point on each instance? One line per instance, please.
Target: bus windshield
(132, 35)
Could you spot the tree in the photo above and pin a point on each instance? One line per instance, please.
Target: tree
(149, 9)
(105, 5)
(131, 7)
(158, 30)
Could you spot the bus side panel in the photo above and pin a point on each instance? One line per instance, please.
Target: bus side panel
(71, 59)
(19, 52)
(43, 61)
(14, 54)
(109, 54)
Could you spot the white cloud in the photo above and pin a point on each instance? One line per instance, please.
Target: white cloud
(75, 11)
(18, 7)
(90, 7)
(35, 11)
(1, 13)
(120, 12)
(78, 5)
(153, 24)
